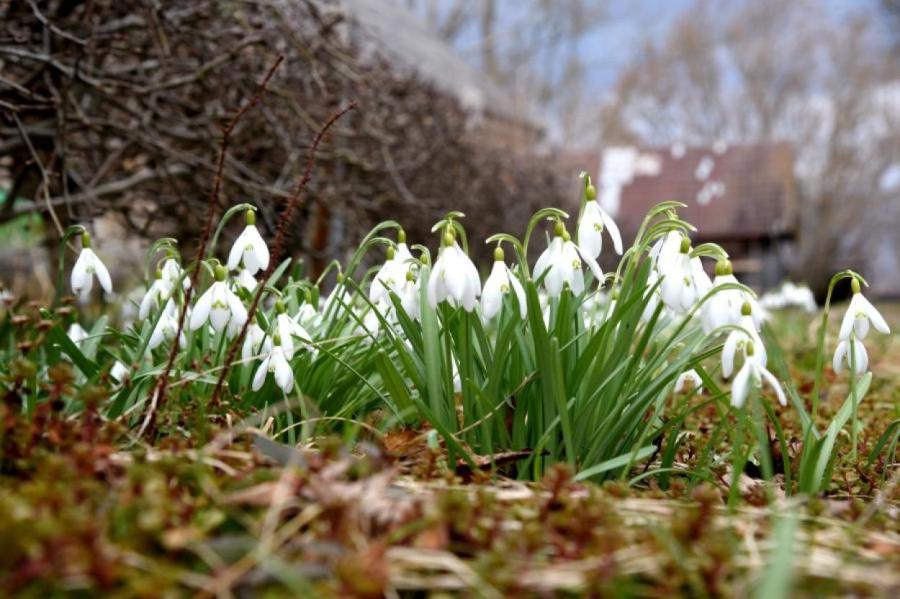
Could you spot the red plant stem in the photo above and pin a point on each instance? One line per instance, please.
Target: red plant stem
(277, 247)
(163, 381)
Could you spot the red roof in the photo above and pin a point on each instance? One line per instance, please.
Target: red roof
(731, 192)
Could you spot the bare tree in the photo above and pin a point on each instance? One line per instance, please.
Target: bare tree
(777, 70)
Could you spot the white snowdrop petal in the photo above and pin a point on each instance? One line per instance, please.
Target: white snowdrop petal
(741, 385)
(202, 308)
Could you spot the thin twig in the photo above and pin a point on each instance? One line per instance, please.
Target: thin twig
(160, 391)
(278, 245)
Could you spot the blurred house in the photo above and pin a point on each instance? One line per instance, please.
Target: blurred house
(498, 116)
(743, 197)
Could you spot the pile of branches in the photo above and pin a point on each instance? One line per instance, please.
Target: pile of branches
(112, 106)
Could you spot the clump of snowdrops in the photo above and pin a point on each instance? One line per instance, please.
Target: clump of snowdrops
(556, 358)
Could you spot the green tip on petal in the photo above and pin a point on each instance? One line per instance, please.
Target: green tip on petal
(750, 349)
(498, 254)
(854, 285)
(250, 217)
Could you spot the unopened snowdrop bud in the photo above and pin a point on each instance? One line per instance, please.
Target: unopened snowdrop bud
(684, 280)
(409, 296)
(498, 284)
(255, 341)
(86, 267)
(220, 306)
(249, 248)
(159, 291)
(390, 276)
(454, 278)
(850, 352)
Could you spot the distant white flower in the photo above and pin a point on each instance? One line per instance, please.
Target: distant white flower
(688, 376)
(590, 229)
(752, 375)
(842, 355)
(454, 278)
(560, 265)
(159, 291)
(76, 333)
(171, 272)
(165, 328)
(684, 280)
(256, 341)
(220, 306)
(498, 284)
(276, 362)
(307, 316)
(392, 274)
(859, 315)
(86, 266)
(742, 339)
(119, 372)
(249, 248)
(6, 297)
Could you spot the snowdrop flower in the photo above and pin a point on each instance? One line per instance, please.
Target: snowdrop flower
(392, 274)
(724, 306)
(752, 374)
(307, 316)
(76, 333)
(454, 278)
(859, 315)
(743, 338)
(256, 341)
(688, 376)
(560, 264)
(165, 328)
(409, 296)
(276, 362)
(159, 291)
(171, 272)
(684, 280)
(88, 265)
(220, 306)
(6, 297)
(119, 372)
(666, 250)
(246, 280)
(843, 356)
(287, 329)
(249, 248)
(590, 228)
(499, 283)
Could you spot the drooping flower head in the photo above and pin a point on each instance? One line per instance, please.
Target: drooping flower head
(220, 306)
(392, 274)
(454, 278)
(860, 314)
(249, 248)
(561, 264)
(160, 291)
(86, 267)
(684, 281)
(740, 340)
(500, 282)
(592, 223)
(276, 362)
(752, 375)
(288, 329)
(724, 306)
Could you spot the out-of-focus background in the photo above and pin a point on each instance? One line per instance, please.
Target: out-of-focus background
(776, 121)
